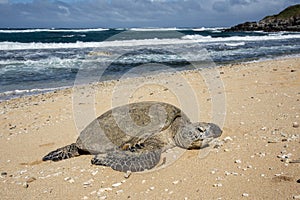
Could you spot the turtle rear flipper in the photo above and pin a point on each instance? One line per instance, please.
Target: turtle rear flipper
(63, 153)
(128, 161)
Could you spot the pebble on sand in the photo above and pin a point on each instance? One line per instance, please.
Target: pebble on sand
(88, 183)
(152, 188)
(227, 139)
(3, 173)
(69, 179)
(127, 174)
(237, 161)
(296, 197)
(245, 195)
(31, 179)
(295, 124)
(116, 184)
(119, 191)
(25, 185)
(217, 185)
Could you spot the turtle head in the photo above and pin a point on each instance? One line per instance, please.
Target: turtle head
(196, 135)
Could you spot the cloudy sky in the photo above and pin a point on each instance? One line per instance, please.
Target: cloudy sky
(134, 13)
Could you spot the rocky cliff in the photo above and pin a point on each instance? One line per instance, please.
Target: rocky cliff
(287, 20)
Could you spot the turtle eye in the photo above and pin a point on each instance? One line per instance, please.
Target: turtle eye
(201, 129)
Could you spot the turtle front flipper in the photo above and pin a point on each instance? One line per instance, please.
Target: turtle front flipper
(63, 153)
(128, 161)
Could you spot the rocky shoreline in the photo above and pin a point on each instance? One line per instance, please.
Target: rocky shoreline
(287, 20)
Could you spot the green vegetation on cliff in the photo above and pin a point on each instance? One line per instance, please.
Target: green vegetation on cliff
(287, 20)
(289, 12)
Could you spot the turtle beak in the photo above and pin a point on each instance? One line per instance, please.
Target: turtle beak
(213, 131)
(209, 130)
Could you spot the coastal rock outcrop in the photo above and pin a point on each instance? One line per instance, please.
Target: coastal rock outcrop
(287, 20)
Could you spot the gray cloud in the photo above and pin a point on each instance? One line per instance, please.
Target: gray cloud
(221, 6)
(242, 2)
(129, 13)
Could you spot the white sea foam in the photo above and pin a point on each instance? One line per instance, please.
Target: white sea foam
(183, 40)
(29, 65)
(71, 36)
(68, 36)
(158, 29)
(235, 44)
(106, 29)
(34, 45)
(177, 29)
(30, 91)
(275, 58)
(208, 29)
(50, 30)
(201, 39)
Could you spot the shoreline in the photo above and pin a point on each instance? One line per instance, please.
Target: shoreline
(259, 143)
(15, 94)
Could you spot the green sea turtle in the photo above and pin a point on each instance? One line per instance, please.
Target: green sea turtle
(133, 136)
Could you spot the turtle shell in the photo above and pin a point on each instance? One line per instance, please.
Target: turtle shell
(121, 124)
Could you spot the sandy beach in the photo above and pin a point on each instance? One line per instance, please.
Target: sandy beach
(258, 156)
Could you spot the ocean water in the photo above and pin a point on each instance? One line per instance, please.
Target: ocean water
(40, 60)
